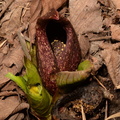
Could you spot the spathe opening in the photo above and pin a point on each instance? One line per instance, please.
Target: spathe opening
(55, 31)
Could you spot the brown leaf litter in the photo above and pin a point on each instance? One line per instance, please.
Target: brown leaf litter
(111, 56)
(12, 62)
(83, 17)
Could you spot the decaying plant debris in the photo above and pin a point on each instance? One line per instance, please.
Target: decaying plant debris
(97, 24)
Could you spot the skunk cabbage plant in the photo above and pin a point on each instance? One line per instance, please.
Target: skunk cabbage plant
(57, 64)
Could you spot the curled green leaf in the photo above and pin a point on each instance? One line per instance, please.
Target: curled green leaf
(65, 78)
(20, 81)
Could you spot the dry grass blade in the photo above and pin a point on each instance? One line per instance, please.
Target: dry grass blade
(113, 116)
(23, 44)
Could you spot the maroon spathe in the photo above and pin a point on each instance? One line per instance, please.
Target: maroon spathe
(48, 62)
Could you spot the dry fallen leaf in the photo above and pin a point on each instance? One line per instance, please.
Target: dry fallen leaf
(115, 32)
(17, 116)
(111, 57)
(13, 106)
(12, 62)
(10, 103)
(7, 93)
(14, 57)
(11, 59)
(116, 3)
(10, 98)
(85, 15)
(20, 107)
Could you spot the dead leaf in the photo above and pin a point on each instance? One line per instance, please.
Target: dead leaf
(7, 106)
(35, 10)
(17, 116)
(108, 11)
(10, 86)
(12, 62)
(85, 16)
(4, 70)
(7, 17)
(20, 107)
(8, 3)
(14, 57)
(1, 57)
(111, 57)
(116, 3)
(84, 45)
(7, 93)
(115, 32)
(11, 107)
(14, 21)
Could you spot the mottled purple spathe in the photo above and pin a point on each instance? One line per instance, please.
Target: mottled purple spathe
(48, 62)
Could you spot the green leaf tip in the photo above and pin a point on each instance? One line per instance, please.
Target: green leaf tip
(85, 65)
(19, 80)
(32, 50)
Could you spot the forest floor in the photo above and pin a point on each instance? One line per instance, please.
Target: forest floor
(97, 24)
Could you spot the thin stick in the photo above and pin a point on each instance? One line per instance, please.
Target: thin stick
(83, 113)
(9, 2)
(1, 44)
(101, 38)
(99, 82)
(106, 109)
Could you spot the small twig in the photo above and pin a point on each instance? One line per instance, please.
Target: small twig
(100, 38)
(113, 116)
(1, 44)
(106, 109)
(83, 113)
(9, 2)
(99, 82)
(107, 94)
